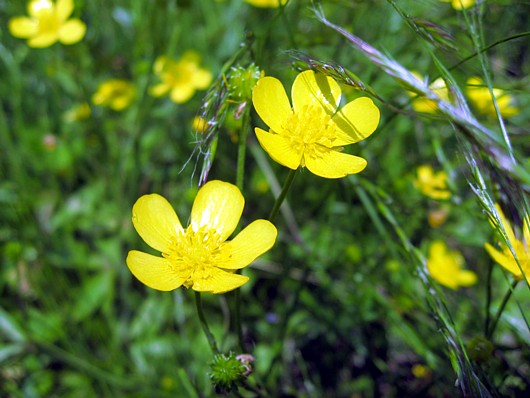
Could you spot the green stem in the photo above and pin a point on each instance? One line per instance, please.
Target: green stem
(279, 200)
(204, 324)
(488, 298)
(501, 309)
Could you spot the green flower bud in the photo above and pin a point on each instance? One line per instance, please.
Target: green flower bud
(242, 80)
(227, 372)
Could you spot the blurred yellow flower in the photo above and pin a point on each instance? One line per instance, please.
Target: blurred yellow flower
(312, 133)
(180, 78)
(117, 94)
(266, 3)
(199, 124)
(425, 105)
(480, 96)
(198, 257)
(460, 4)
(431, 184)
(77, 112)
(505, 257)
(48, 23)
(445, 266)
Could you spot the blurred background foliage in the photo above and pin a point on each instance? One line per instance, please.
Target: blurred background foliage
(340, 306)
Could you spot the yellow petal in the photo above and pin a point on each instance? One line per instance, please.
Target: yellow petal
(466, 278)
(249, 244)
(182, 93)
(158, 90)
(202, 78)
(279, 148)
(506, 262)
(356, 121)
(38, 8)
(64, 9)
(310, 88)
(218, 206)
(72, 31)
(156, 222)
(43, 40)
(334, 164)
(155, 272)
(218, 281)
(271, 102)
(23, 27)
(506, 225)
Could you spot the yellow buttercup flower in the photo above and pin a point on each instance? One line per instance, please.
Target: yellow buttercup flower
(431, 184)
(425, 105)
(48, 23)
(480, 96)
(117, 94)
(445, 266)
(267, 3)
(460, 4)
(199, 256)
(312, 133)
(180, 78)
(505, 257)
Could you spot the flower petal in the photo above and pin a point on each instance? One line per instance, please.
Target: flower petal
(64, 9)
(257, 238)
(23, 27)
(506, 225)
(310, 88)
(72, 31)
(271, 102)
(279, 148)
(218, 206)
(43, 40)
(334, 164)
(356, 120)
(156, 222)
(182, 93)
(201, 78)
(218, 281)
(506, 262)
(38, 8)
(155, 272)
(466, 278)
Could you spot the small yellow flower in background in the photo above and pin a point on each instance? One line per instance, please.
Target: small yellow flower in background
(117, 94)
(425, 105)
(77, 113)
(312, 133)
(48, 23)
(521, 247)
(445, 266)
(180, 78)
(431, 184)
(199, 125)
(437, 217)
(267, 3)
(460, 4)
(420, 371)
(199, 256)
(480, 97)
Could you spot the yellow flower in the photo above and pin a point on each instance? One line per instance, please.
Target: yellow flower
(431, 184)
(521, 247)
(311, 133)
(425, 105)
(180, 78)
(197, 256)
(78, 112)
(460, 4)
(117, 94)
(445, 266)
(48, 23)
(480, 96)
(199, 124)
(267, 3)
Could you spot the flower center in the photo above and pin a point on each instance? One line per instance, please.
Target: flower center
(310, 130)
(194, 254)
(48, 20)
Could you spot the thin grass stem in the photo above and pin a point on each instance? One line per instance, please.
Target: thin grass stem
(204, 324)
(505, 300)
(279, 200)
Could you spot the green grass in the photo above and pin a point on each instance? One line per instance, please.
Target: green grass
(343, 305)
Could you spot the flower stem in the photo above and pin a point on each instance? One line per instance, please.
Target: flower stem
(204, 324)
(279, 200)
(501, 309)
